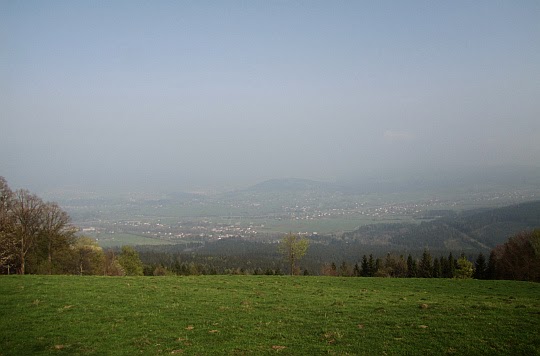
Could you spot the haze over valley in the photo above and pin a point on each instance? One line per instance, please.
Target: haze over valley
(185, 121)
(265, 211)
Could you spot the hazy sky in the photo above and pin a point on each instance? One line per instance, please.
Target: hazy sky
(184, 94)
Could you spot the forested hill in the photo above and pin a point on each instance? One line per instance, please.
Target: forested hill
(469, 230)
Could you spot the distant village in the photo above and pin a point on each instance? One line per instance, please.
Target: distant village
(257, 221)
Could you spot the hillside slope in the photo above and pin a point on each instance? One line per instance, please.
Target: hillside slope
(469, 230)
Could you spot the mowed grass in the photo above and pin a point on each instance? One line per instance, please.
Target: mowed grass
(237, 315)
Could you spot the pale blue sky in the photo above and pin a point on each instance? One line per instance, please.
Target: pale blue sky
(184, 94)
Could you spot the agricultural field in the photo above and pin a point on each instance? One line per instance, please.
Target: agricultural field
(267, 210)
(236, 315)
(111, 240)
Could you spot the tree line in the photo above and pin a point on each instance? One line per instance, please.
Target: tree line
(401, 267)
(517, 259)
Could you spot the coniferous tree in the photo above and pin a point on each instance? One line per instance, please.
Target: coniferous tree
(437, 272)
(378, 266)
(449, 267)
(444, 267)
(371, 266)
(425, 269)
(344, 269)
(491, 272)
(480, 267)
(411, 267)
(357, 272)
(365, 267)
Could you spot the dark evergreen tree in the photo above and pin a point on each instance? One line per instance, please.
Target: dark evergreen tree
(491, 272)
(411, 267)
(371, 266)
(357, 272)
(480, 267)
(365, 267)
(378, 266)
(344, 269)
(437, 271)
(445, 269)
(425, 269)
(415, 268)
(449, 267)
(177, 267)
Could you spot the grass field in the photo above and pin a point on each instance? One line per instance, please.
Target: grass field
(120, 239)
(237, 315)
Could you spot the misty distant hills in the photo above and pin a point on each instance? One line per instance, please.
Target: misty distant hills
(291, 185)
(479, 229)
(450, 179)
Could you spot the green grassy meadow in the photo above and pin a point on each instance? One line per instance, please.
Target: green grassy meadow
(237, 315)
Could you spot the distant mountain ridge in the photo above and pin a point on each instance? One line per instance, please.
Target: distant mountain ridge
(508, 177)
(480, 229)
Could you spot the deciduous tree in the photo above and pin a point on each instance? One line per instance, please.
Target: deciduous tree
(465, 268)
(519, 258)
(7, 242)
(112, 267)
(55, 237)
(293, 248)
(88, 257)
(395, 266)
(27, 213)
(131, 263)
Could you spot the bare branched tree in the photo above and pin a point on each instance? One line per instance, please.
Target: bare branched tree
(7, 247)
(27, 213)
(56, 231)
